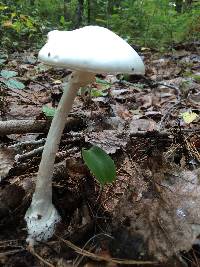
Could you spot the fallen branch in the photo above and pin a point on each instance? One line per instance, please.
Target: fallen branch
(7, 253)
(38, 152)
(30, 154)
(161, 133)
(34, 126)
(28, 143)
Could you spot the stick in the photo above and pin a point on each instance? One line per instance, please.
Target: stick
(32, 126)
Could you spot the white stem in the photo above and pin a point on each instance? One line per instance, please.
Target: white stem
(41, 208)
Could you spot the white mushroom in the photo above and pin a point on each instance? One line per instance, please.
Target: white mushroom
(85, 51)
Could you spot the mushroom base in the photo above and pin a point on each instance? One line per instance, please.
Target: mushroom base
(41, 226)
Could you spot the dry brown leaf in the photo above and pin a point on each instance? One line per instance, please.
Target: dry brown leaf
(109, 140)
(166, 218)
(7, 159)
(142, 125)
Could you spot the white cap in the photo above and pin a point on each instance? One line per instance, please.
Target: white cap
(93, 49)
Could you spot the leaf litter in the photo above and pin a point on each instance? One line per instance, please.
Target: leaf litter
(152, 210)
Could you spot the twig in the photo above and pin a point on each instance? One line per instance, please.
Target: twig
(38, 151)
(195, 130)
(101, 258)
(79, 258)
(40, 258)
(41, 84)
(9, 241)
(6, 253)
(28, 143)
(160, 133)
(150, 133)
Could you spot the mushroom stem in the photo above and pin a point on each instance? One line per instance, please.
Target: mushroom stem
(41, 216)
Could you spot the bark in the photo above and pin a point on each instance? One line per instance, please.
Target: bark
(79, 13)
(182, 6)
(179, 6)
(117, 3)
(92, 11)
(32, 3)
(189, 4)
(88, 11)
(65, 9)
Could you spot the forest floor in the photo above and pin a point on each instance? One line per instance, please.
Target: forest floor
(149, 125)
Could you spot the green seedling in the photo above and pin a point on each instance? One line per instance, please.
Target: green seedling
(100, 164)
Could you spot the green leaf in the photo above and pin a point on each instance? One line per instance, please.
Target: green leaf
(13, 84)
(62, 20)
(42, 67)
(17, 26)
(102, 81)
(49, 112)
(2, 7)
(196, 78)
(8, 74)
(100, 164)
(2, 61)
(189, 116)
(3, 56)
(97, 93)
(102, 86)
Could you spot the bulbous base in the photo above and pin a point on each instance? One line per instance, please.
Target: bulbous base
(41, 225)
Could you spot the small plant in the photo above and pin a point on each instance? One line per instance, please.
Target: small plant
(100, 164)
(8, 78)
(19, 29)
(48, 111)
(100, 88)
(196, 77)
(3, 58)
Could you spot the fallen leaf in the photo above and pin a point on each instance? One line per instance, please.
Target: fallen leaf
(189, 116)
(7, 159)
(142, 125)
(109, 140)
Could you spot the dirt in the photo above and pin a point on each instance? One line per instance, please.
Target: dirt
(149, 125)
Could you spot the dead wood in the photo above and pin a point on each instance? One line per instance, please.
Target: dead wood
(34, 126)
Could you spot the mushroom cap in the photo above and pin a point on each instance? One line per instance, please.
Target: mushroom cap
(93, 49)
